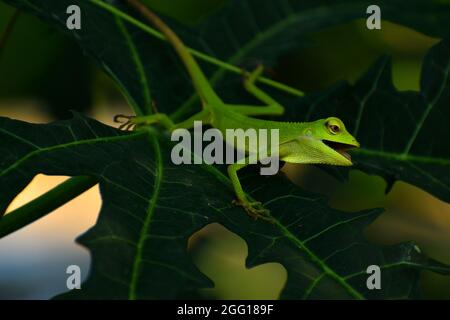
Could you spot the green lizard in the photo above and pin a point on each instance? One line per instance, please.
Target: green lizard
(323, 141)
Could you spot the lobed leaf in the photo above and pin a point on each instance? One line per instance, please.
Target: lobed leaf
(151, 207)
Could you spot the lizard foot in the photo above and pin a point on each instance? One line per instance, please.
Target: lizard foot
(125, 122)
(254, 210)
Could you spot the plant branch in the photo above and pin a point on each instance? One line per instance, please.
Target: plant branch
(197, 54)
(45, 204)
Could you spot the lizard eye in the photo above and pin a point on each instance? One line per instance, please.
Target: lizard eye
(333, 127)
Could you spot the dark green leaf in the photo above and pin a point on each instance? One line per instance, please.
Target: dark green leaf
(151, 207)
(243, 30)
(403, 134)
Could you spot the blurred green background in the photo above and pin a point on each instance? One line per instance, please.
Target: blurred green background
(43, 75)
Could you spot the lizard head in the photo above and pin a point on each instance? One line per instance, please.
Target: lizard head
(324, 141)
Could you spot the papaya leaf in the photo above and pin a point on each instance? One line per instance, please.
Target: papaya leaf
(403, 134)
(244, 29)
(151, 207)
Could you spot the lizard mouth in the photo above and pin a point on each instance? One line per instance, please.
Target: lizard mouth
(341, 148)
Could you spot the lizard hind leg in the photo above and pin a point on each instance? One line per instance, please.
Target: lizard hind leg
(271, 107)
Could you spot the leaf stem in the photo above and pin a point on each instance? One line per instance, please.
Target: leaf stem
(197, 54)
(45, 204)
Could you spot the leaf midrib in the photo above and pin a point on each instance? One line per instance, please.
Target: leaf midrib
(319, 262)
(427, 111)
(75, 143)
(402, 157)
(139, 67)
(136, 271)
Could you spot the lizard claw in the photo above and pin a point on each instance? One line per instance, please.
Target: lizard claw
(254, 209)
(125, 122)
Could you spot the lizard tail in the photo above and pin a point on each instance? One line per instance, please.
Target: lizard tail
(201, 83)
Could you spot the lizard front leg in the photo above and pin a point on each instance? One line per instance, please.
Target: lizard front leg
(253, 208)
